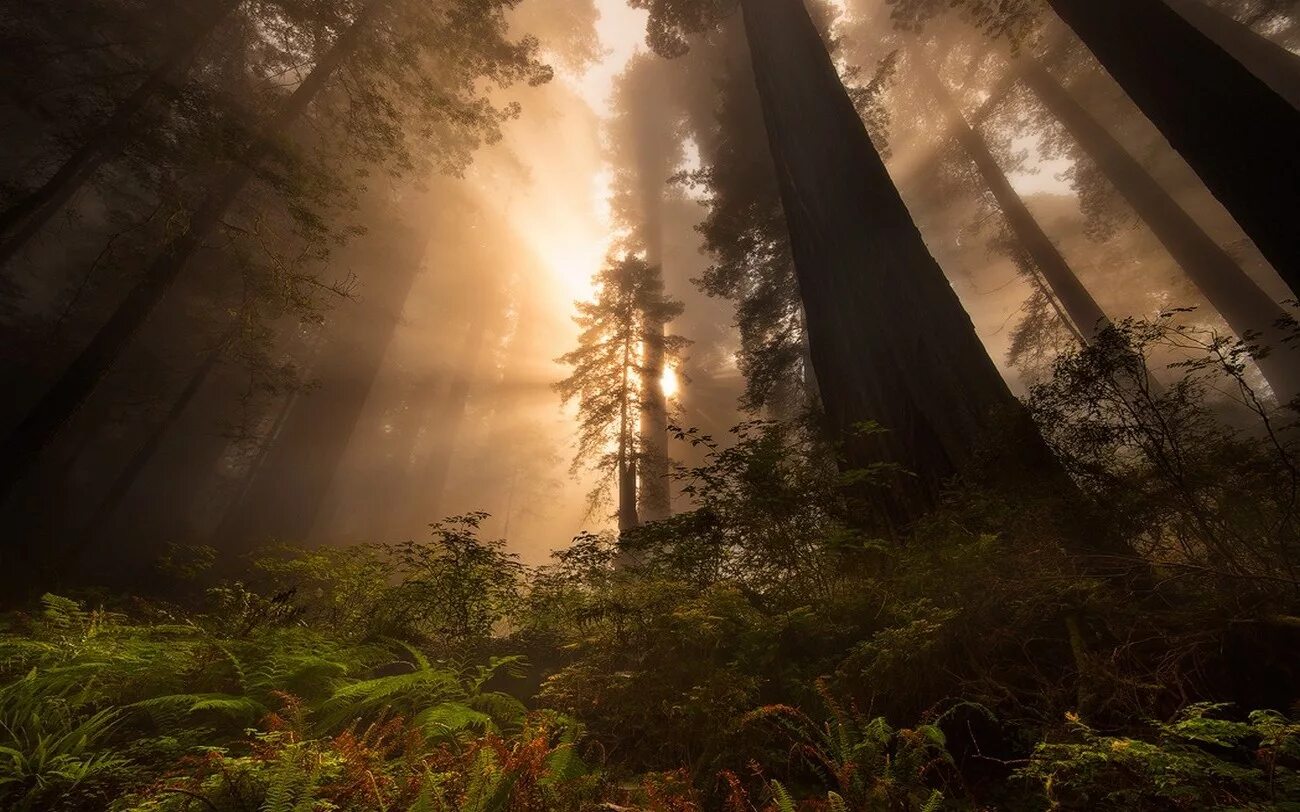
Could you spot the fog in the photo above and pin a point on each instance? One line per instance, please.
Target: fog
(356, 369)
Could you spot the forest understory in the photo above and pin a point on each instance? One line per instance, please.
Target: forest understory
(649, 406)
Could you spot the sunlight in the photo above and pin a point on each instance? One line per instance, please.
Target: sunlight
(573, 262)
(669, 382)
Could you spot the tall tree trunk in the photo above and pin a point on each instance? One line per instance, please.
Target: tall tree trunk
(1082, 308)
(26, 216)
(24, 444)
(655, 497)
(908, 169)
(289, 492)
(449, 419)
(383, 505)
(627, 515)
(1230, 290)
(140, 460)
(888, 338)
(1271, 63)
(1236, 132)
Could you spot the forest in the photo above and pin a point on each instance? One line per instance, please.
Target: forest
(649, 405)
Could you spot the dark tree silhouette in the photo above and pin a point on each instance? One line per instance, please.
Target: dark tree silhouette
(22, 219)
(1233, 129)
(460, 100)
(1241, 302)
(888, 338)
(1082, 309)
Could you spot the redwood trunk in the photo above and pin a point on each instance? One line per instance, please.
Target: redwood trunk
(655, 497)
(1274, 65)
(1236, 132)
(1230, 290)
(888, 338)
(655, 502)
(23, 446)
(143, 455)
(627, 515)
(1082, 309)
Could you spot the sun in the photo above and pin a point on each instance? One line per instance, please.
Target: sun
(669, 383)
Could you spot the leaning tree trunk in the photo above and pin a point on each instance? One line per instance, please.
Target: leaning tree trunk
(907, 171)
(144, 454)
(23, 446)
(1244, 306)
(1274, 65)
(888, 337)
(24, 218)
(1087, 316)
(291, 489)
(448, 420)
(1236, 132)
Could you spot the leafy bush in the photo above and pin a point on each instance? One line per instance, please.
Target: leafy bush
(1198, 760)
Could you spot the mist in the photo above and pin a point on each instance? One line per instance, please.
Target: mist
(649, 405)
(366, 355)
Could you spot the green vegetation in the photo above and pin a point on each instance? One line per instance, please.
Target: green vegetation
(772, 649)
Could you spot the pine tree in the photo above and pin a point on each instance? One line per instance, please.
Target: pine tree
(607, 365)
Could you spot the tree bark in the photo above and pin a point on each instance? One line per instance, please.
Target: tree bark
(1236, 132)
(1271, 63)
(24, 444)
(1087, 316)
(888, 337)
(627, 515)
(24, 218)
(655, 500)
(1229, 289)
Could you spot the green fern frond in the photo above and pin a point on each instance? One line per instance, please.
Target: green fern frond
(403, 693)
(236, 710)
(781, 796)
(450, 718)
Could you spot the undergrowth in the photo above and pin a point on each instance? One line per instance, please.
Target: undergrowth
(773, 649)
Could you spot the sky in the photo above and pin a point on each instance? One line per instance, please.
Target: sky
(622, 33)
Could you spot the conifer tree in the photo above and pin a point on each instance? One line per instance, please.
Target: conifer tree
(607, 366)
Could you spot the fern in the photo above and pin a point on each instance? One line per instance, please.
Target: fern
(505, 711)
(431, 797)
(289, 785)
(403, 693)
(449, 719)
(48, 745)
(782, 798)
(489, 787)
(172, 710)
